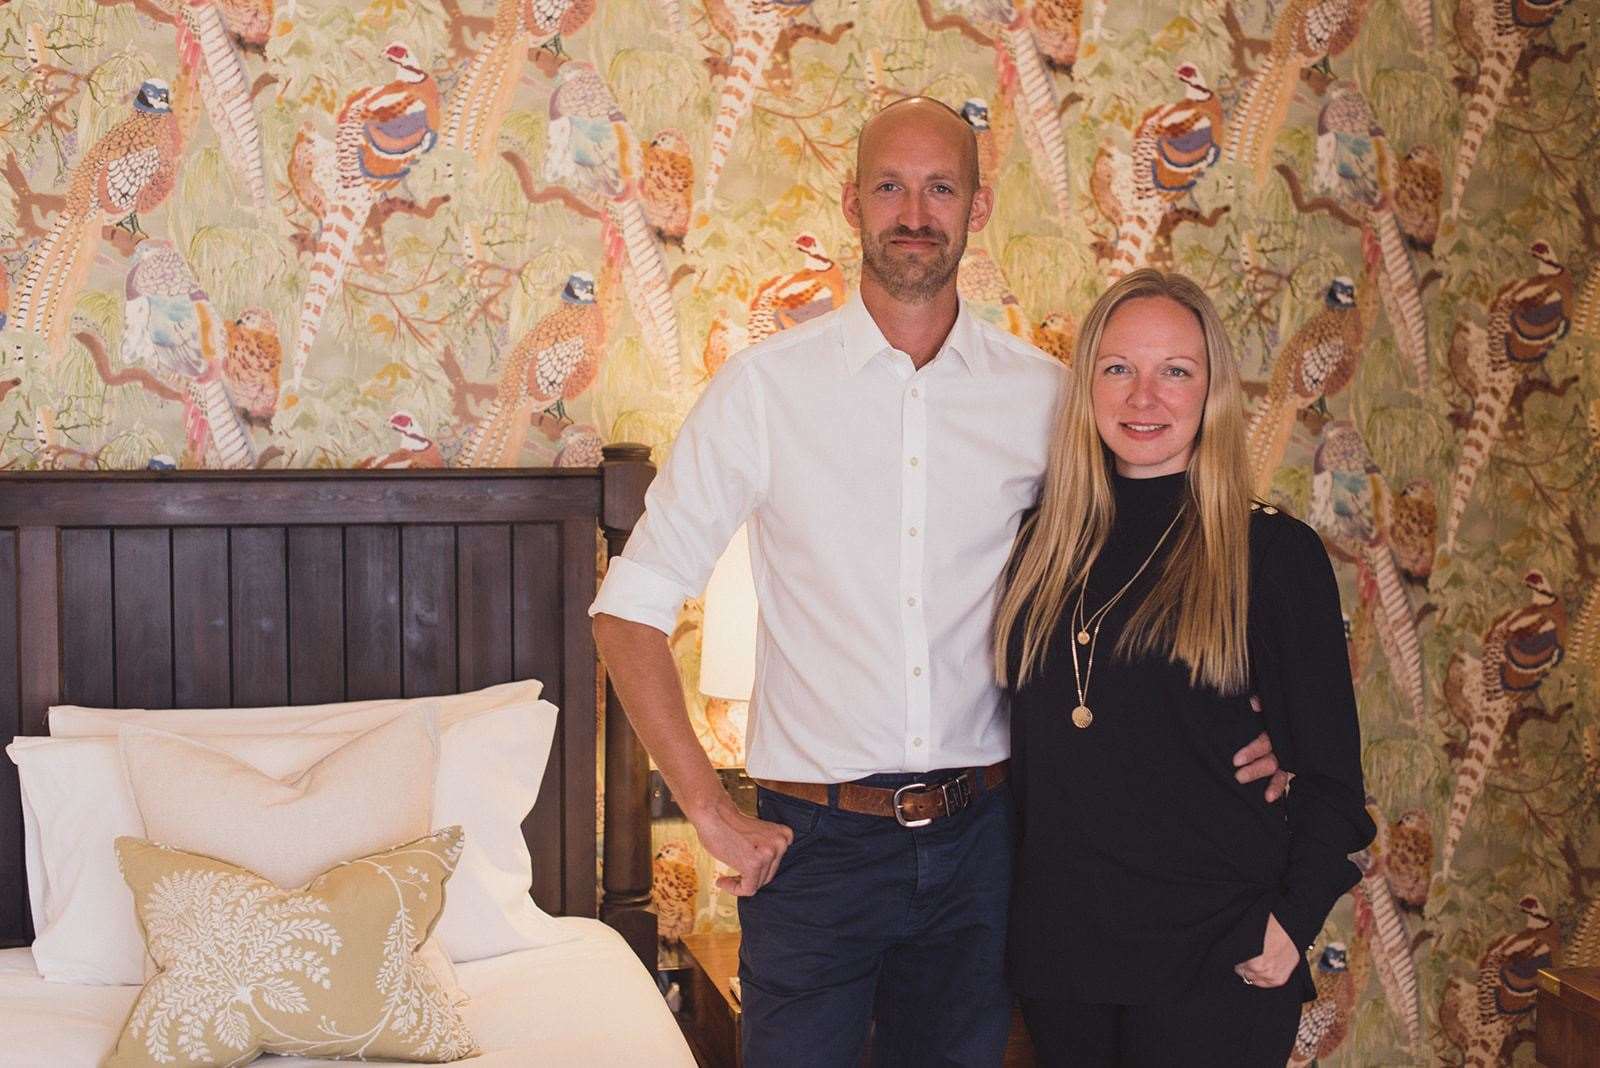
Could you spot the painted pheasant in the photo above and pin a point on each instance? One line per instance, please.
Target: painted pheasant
(1521, 647)
(170, 328)
(1392, 957)
(1412, 526)
(993, 138)
(1057, 334)
(1341, 975)
(488, 80)
(130, 170)
(1173, 146)
(593, 151)
(1318, 361)
(667, 187)
(675, 882)
(1356, 165)
(1057, 27)
(205, 46)
(380, 134)
(788, 299)
(1526, 319)
(252, 364)
(1418, 189)
(1501, 1000)
(753, 27)
(980, 281)
(1409, 859)
(1497, 33)
(1349, 499)
(1029, 92)
(1306, 32)
(553, 363)
(416, 448)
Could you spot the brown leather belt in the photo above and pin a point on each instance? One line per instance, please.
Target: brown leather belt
(916, 804)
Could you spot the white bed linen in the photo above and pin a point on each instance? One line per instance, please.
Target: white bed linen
(582, 1002)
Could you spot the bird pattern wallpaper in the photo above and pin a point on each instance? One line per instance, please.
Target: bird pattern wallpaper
(413, 233)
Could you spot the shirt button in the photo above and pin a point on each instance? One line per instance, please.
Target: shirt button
(915, 392)
(916, 743)
(916, 672)
(912, 601)
(913, 461)
(913, 532)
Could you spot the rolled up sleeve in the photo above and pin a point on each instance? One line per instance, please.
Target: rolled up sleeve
(713, 479)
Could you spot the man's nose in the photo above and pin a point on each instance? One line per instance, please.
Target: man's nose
(914, 212)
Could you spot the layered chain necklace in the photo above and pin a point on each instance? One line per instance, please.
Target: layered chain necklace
(1087, 630)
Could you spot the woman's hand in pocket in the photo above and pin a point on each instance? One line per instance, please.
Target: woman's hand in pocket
(1278, 960)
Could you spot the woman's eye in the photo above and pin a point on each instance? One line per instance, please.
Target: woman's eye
(1178, 372)
(1116, 368)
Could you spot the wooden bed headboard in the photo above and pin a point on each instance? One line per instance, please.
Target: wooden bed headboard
(237, 589)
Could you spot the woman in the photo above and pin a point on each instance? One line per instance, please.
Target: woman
(1162, 910)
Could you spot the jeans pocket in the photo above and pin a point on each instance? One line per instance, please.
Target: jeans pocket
(799, 816)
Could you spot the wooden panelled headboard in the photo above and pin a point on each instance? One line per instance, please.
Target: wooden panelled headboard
(222, 589)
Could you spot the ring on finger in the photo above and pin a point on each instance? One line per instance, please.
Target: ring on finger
(1247, 980)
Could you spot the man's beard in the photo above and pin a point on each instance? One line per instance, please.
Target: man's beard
(914, 281)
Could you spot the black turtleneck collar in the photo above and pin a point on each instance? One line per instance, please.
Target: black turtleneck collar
(1148, 498)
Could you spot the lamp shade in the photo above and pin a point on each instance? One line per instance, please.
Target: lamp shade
(728, 635)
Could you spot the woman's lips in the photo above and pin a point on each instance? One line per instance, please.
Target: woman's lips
(1143, 430)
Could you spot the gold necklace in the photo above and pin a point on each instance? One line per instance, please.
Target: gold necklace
(1088, 630)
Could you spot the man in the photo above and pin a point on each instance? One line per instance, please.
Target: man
(883, 456)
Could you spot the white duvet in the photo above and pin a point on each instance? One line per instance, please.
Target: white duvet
(582, 1002)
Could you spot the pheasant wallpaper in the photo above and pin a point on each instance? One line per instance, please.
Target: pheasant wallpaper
(449, 232)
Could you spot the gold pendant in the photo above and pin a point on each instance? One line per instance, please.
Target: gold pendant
(1083, 637)
(1082, 717)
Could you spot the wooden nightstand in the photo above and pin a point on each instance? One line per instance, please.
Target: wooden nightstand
(1567, 1018)
(710, 1015)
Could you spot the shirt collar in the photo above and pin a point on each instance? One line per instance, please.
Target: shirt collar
(861, 338)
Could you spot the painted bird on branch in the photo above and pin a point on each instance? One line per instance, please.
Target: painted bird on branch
(132, 169)
(171, 328)
(381, 133)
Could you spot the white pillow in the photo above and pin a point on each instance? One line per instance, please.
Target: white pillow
(76, 721)
(370, 794)
(76, 801)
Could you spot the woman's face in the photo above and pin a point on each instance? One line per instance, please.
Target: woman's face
(1149, 386)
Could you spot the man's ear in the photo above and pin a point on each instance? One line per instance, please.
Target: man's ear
(982, 208)
(850, 201)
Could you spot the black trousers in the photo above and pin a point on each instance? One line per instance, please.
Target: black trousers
(1219, 1024)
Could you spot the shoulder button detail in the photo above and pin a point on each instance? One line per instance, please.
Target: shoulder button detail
(1270, 510)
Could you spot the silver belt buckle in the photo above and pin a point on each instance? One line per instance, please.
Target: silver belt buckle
(899, 816)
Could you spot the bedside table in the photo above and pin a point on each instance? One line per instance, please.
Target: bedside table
(710, 1017)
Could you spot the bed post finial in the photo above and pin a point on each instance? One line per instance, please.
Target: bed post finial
(625, 473)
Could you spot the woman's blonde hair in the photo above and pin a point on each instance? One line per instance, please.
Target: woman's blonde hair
(1196, 612)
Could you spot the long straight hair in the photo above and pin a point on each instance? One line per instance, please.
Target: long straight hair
(1196, 612)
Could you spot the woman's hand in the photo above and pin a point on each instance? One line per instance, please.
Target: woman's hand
(1279, 958)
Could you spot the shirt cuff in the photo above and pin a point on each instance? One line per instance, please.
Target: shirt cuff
(634, 592)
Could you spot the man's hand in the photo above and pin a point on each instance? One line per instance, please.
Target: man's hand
(1257, 761)
(751, 847)
(1278, 960)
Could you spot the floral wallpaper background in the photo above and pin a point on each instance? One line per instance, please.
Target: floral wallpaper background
(453, 232)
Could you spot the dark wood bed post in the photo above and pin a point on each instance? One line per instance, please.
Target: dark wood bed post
(625, 473)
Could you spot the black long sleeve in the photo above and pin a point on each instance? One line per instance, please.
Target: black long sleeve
(1143, 864)
(1301, 672)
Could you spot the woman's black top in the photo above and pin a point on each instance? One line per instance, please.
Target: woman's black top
(1144, 867)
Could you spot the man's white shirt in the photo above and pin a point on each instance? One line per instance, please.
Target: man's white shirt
(882, 502)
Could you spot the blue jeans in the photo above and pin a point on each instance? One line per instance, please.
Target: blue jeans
(868, 922)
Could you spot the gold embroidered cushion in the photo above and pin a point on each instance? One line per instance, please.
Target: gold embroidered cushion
(330, 970)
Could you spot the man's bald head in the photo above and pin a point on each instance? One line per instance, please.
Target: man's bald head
(926, 116)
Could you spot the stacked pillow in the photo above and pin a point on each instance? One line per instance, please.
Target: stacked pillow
(489, 750)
